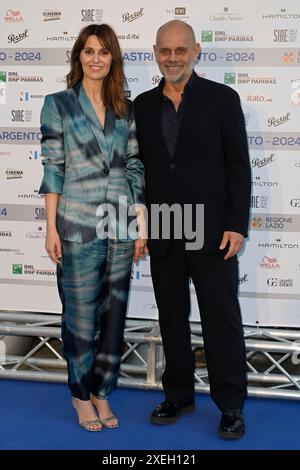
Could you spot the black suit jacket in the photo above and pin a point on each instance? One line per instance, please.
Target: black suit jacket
(210, 164)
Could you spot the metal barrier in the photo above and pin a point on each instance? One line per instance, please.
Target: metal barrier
(272, 355)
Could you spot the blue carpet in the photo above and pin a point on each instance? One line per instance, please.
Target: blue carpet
(39, 416)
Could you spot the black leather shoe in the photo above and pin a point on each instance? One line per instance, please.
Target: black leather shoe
(168, 412)
(232, 424)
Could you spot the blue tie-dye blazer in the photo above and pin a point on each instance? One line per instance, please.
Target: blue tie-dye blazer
(85, 165)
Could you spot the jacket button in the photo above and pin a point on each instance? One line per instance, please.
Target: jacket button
(106, 171)
(172, 166)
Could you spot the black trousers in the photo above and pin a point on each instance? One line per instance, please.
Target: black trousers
(216, 282)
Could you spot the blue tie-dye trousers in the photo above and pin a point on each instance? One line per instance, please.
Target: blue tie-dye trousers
(93, 282)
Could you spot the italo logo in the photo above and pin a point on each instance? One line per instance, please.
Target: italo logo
(258, 99)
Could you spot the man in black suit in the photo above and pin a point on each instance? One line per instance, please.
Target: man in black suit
(193, 144)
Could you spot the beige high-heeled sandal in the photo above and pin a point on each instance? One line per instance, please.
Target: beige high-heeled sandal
(106, 420)
(85, 424)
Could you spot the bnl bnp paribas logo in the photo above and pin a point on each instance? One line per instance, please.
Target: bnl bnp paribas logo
(17, 269)
(2, 87)
(222, 36)
(229, 78)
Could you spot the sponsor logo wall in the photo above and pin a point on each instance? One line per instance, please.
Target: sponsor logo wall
(251, 46)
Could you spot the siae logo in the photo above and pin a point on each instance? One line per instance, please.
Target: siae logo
(89, 15)
(39, 213)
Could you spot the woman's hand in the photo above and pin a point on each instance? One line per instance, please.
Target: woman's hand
(140, 249)
(53, 245)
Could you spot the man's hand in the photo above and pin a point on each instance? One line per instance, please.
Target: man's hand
(235, 243)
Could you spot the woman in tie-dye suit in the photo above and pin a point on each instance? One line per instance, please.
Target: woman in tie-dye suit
(90, 162)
